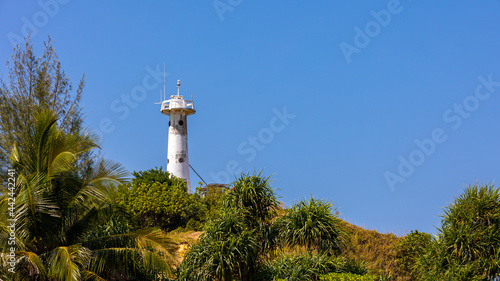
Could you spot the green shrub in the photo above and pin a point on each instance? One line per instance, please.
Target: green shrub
(156, 199)
(312, 224)
(297, 267)
(408, 250)
(252, 193)
(355, 266)
(227, 250)
(346, 277)
(232, 239)
(468, 243)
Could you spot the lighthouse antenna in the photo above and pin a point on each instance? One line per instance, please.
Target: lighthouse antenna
(163, 81)
(178, 86)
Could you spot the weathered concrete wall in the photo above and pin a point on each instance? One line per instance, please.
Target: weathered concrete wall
(178, 156)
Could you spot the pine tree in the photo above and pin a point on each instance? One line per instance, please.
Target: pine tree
(34, 84)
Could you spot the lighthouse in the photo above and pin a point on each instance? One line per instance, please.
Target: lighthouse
(177, 108)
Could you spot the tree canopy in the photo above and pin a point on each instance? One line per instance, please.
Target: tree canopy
(34, 84)
(157, 199)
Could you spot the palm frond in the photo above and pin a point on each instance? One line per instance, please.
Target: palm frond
(127, 260)
(37, 213)
(63, 162)
(45, 131)
(108, 172)
(31, 264)
(149, 247)
(91, 276)
(79, 225)
(65, 262)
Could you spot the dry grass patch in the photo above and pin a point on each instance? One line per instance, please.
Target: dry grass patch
(376, 249)
(183, 240)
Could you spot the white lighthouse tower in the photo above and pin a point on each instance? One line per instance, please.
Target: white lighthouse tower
(177, 156)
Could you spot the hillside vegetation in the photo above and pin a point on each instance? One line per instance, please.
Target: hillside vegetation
(375, 250)
(66, 214)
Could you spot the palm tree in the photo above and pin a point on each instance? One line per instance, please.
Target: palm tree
(56, 207)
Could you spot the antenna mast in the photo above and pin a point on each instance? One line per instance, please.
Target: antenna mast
(164, 81)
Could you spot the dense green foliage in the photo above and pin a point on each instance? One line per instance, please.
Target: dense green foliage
(465, 249)
(156, 175)
(253, 195)
(111, 221)
(297, 267)
(55, 209)
(157, 199)
(347, 277)
(245, 242)
(163, 202)
(468, 243)
(229, 248)
(408, 250)
(33, 85)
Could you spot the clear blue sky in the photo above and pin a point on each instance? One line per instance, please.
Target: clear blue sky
(366, 82)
